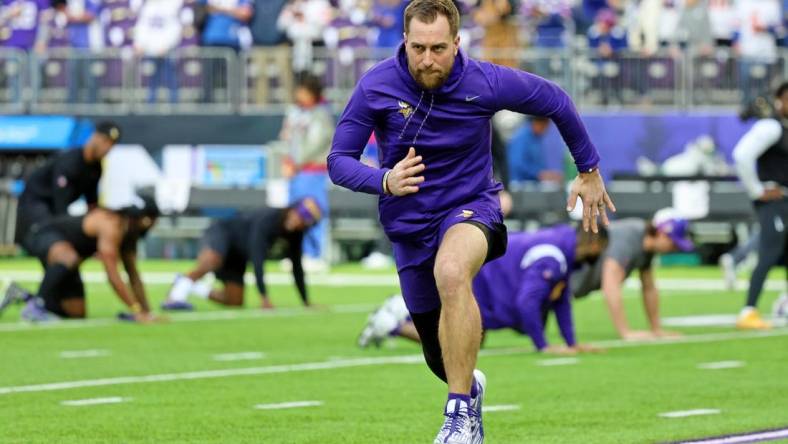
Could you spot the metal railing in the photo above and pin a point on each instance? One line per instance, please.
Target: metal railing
(219, 80)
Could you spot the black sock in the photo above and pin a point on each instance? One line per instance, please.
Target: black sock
(54, 276)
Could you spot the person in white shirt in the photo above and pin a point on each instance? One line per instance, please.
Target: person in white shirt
(755, 42)
(761, 158)
(156, 35)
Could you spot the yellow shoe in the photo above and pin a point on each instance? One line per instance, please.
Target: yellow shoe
(751, 320)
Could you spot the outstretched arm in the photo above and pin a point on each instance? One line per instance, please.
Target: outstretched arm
(110, 235)
(529, 94)
(295, 252)
(135, 281)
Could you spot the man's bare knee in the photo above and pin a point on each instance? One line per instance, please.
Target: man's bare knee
(74, 307)
(450, 278)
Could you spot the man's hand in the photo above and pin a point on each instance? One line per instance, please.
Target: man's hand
(770, 194)
(591, 189)
(560, 350)
(402, 179)
(666, 334)
(636, 335)
(587, 348)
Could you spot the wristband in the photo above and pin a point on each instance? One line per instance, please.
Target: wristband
(385, 183)
(590, 170)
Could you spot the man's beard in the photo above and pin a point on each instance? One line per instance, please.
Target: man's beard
(431, 79)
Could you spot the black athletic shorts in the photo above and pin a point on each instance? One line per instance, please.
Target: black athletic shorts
(219, 239)
(38, 241)
(497, 239)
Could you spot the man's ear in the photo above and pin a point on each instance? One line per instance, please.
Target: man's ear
(456, 44)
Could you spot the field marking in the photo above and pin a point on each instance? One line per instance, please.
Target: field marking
(289, 405)
(557, 361)
(240, 356)
(357, 362)
(76, 354)
(721, 365)
(380, 280)
(94, 401)
(766, 435)
(686, 413)
(501, 408)
(710, 320)
(217, 315)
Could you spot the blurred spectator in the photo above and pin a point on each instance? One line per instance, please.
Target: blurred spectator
(388, 16)
(585, 13)
(263, 24)
(551, 27)
(307, 130)
(526, 152)
(19, 28)
(607, 40)
(642, 21)
(668, 22)
(157, 34)
(118, 18)
(694, 28)
(224, 27)
(500, 30)
(722, 14)
(85, 37)
(303, 21)
(756, 44)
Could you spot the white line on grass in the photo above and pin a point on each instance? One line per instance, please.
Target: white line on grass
(94, 401)
(721, 365)
(219, 315)
(360, 362)
(377, 280)
(76, 354)
(770, 435)
(501, 408)
(242, 356)
(289, 405)
(685, 413)
(710, 320)
(557, 361)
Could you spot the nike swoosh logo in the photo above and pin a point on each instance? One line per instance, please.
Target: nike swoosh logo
(471, 99)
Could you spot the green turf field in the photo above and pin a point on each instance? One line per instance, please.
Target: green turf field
(168, 386)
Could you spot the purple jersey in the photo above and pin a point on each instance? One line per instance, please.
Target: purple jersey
(449, 127)
(118, 19)
(519, 289)
(19, 21)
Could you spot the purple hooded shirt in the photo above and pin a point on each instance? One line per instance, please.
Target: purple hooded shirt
(450, 127)
(519, 289)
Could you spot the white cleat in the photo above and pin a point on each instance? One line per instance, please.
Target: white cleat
(379, 325)
(457, 426)
(476, 406)
(780, 310)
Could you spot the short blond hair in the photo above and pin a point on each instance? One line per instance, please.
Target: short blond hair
(427, 11)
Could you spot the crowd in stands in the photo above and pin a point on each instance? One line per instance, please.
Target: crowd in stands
(751, 29)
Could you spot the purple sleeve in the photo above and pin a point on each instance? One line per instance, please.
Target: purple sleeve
(563, 314)
(351, 136)
(531, 296)
(529, 94)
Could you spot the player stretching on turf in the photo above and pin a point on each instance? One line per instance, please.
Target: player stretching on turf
(229, 244)
(633, 244)
(430, 107)
(762, 163)
(63, 243)
(516, 291)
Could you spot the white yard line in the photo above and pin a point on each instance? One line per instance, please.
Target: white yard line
(557, 361)
(686, 413)
(720, 365)
(94, 401)
(380, 280)
(501, 408)
(289, 405)
(217, 315)
(241, 356)
(770, 435)
(348, 363)
(708, 320)
(76, 354)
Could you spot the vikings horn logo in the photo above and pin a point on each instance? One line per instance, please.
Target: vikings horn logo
(404, 109)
